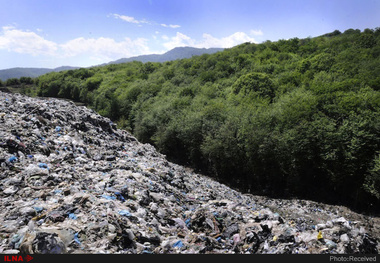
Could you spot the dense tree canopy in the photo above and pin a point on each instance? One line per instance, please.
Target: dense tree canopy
(295, 118)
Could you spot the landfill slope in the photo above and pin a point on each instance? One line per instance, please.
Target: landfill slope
(71, 182)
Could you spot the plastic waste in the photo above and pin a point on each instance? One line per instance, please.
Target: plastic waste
(330, 244)
(12, 159)
(320, 236)
(369, 245)
(108, 197)
(43, 165)
(72, 216)
(125, 213)
(119, 196)
(48, 243)
(178, 244)
(71, 182)
(76, 238)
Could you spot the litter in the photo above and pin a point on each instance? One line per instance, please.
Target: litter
(125, 213)
(71, 182)
(178, 244)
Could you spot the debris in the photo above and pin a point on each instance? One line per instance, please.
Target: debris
(320, 236)
(71, 182)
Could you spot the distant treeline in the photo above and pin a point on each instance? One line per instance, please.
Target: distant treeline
(292, 118)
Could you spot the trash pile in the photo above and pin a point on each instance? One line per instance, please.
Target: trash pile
(71, 182)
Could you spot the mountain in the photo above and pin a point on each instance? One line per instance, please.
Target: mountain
(174, 54)
(29, 72)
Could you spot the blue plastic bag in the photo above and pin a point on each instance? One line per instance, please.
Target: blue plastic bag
(72, 216)
(76, 238)
(125, 213)
(119, 196)
(12, 159)
(109, 197)
(178, 244)
(43, 165)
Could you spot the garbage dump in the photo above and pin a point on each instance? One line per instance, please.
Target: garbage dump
(71, 182)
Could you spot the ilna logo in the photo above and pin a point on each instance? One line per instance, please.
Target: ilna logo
(26, 258)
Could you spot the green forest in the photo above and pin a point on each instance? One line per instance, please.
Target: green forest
(292, 118)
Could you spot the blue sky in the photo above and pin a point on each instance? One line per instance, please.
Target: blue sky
(50, 33)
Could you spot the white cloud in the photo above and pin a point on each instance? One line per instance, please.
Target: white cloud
(225, 42)
(102, 48)
(256, 32)
(105, 48)
(130, 19)
(171, 26)
(208, 41)
(25, 42)
(179, 40)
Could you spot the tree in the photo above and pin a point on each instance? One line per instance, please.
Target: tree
(93, 83)
(12, 82)
(254, 82)
(26, 80)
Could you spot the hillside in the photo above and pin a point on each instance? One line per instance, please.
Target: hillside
(71, 182)
(293, 118)
(174, 54)
(28, 72)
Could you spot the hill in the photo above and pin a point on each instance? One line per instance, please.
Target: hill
(294, 118)
(71, 182)
(174, 54)
(29, 72)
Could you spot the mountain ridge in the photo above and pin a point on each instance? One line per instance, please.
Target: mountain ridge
(173, 54)
(19, 72)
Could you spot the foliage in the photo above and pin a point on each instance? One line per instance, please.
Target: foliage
(297, 117)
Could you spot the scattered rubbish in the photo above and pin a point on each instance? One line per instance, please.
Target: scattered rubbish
(71, 182)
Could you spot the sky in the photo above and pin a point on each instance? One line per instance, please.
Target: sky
(51, 33)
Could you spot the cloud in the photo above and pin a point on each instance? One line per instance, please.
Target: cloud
(256, 32)
(130, 19)
(102, 48)
(171, 26)
(105, 48)
(225, 42)
(208, 41)
(25, 42)
(179, 40)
